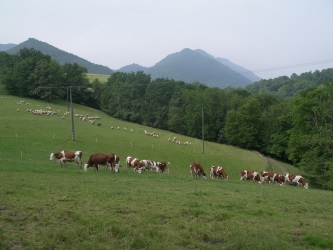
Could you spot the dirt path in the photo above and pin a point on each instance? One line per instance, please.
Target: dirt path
(276, 164)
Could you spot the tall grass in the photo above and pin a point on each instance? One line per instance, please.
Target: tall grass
(45, 206)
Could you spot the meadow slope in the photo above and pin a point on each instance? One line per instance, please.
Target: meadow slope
(45, 206)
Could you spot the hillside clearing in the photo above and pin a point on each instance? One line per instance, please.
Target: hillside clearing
(45, 206)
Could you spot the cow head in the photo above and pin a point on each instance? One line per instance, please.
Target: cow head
(85, 167)
(116, 168)
(52, 156)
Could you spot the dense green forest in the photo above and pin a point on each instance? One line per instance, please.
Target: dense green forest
(287, 118)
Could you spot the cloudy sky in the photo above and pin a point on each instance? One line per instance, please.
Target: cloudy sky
(270, 37)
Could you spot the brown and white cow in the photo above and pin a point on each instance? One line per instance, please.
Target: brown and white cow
(148, 164)
(162, 167)
(248, 175)
(135, 163)
(115, 164)
(298, 180)
(67, 155)
(278, 178)
(99, 159)
(217, 171)
(197, 171)
(267, 177)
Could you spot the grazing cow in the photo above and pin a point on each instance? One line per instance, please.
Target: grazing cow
(115, 164)
(267, 176)
(278, 178)
(292, 179)
(147, 164)
(197, 171)
(248, 175)
(135, 163)
(217, 171)
(66, 155)
(257, 177)
(100, 159)
(162, 167)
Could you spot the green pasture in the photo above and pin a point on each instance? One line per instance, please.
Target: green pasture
(43, 206)
(101, 78)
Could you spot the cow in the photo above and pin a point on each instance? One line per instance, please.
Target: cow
(99, 159)
(298, 180)
(217, 171)
(148, 164)
(162, 167)
(66, 155)
(267, 176)
(248, 175)
(114, 167)
(278, 178)
(197, 171)
(135, 163)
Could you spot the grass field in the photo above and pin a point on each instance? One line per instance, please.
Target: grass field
(101, 78)
(45, 206)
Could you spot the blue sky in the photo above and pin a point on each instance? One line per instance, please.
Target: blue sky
(270, 37)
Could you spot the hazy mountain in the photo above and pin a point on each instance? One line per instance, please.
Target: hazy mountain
(133, 68)
(247, 73)
(4, 47)
(187, 65)
(60, 56)
(198, 66)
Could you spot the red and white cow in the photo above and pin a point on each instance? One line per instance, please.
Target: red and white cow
(278, 178)
(162, 167)
(66, 155)
(298, 180)
(197, 171)
(135, 163)
(147, 164)
(267, 176)
(217, 171)
(248, 175)
(115, 164)
(99, 159)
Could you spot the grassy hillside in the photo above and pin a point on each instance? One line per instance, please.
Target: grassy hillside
(45, 206)
(101, 78)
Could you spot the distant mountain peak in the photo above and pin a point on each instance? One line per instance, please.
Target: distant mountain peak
(60, 56)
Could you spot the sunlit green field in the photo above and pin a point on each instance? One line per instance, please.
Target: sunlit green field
(45, 206)
(101, 78)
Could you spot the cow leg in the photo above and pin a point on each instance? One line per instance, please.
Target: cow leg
(79, 163)
(63, 163)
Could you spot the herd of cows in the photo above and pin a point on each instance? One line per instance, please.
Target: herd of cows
(196, 170)
(112, 161)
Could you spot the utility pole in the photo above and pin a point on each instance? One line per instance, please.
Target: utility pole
(72, 114)
(203, 130)
(67, 99)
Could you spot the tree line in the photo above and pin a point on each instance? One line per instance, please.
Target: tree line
(296, 128)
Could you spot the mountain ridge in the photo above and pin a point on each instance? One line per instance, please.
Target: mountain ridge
(186, 65)
(60, 56)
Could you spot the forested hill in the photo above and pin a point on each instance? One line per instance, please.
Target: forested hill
(60, 56)
(284, 86)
